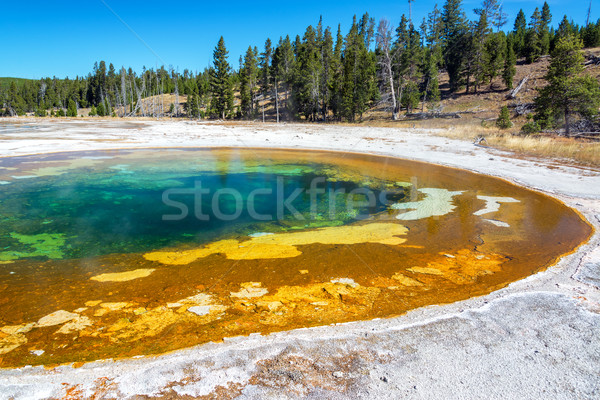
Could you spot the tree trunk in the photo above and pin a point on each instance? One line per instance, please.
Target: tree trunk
(394, 105)
(513, 94)
(400, 91)
(567, 128)
(425, 96)
(277, 100)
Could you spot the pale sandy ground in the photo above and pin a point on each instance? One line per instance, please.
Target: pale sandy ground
(539, 338)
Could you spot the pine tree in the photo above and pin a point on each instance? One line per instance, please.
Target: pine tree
(433, 57)
(503, 121)
(494, 56)
(412, 58)
(564, 28)
(546, 19)
(509, 63)
(283, 68)
(307, 73)
(193, 108)
(220, 82)
(455, 41)
(337, 71)
(568, 92)
(520, 31)
(248, 82)
(72, 108)
(533, 38)
(476, 63)
(351, 59)
(590, 34)
(327, 72)
(265, 69)
(366, 85)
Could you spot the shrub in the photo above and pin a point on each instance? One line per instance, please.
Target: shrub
(503, 121)
(531, 127)
(72, 109)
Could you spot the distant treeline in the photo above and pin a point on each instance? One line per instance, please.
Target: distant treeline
(320, 75)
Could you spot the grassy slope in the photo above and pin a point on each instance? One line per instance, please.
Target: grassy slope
(5, 82)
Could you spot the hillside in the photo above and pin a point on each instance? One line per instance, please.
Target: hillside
(482, 108)
(5, 82)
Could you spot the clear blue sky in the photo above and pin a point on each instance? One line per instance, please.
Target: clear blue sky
(65, 38)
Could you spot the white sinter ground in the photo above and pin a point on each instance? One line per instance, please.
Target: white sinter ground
(537, 338)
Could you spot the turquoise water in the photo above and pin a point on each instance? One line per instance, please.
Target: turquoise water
(119, 206)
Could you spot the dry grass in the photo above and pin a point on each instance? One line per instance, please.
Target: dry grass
(571, 151)
(581, 152)
(567, 151)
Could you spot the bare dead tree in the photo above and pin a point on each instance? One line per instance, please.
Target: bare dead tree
(131, 85)
(514, 93)
(385, 60)
(152, 93)
(43, 88)
(176, 97)
(123, 91)
(277, 99)
(140, 104)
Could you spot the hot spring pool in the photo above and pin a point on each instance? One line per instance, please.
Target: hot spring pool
(131, 252)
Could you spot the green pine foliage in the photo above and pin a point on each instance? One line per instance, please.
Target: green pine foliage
(306, 87)
(100, 111)
(533, 37)
(221, 88)
(192, 106)
(248, 84)
(329, 75)
(494, 56)
(433, 58)
(591, 34)
(545, 29)
(358, 86)
(503, 121)
(72, 109)
(569, 93)
(283, 70)
(456, 41)
(265, 61)
(510, 61)
(519, 33)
